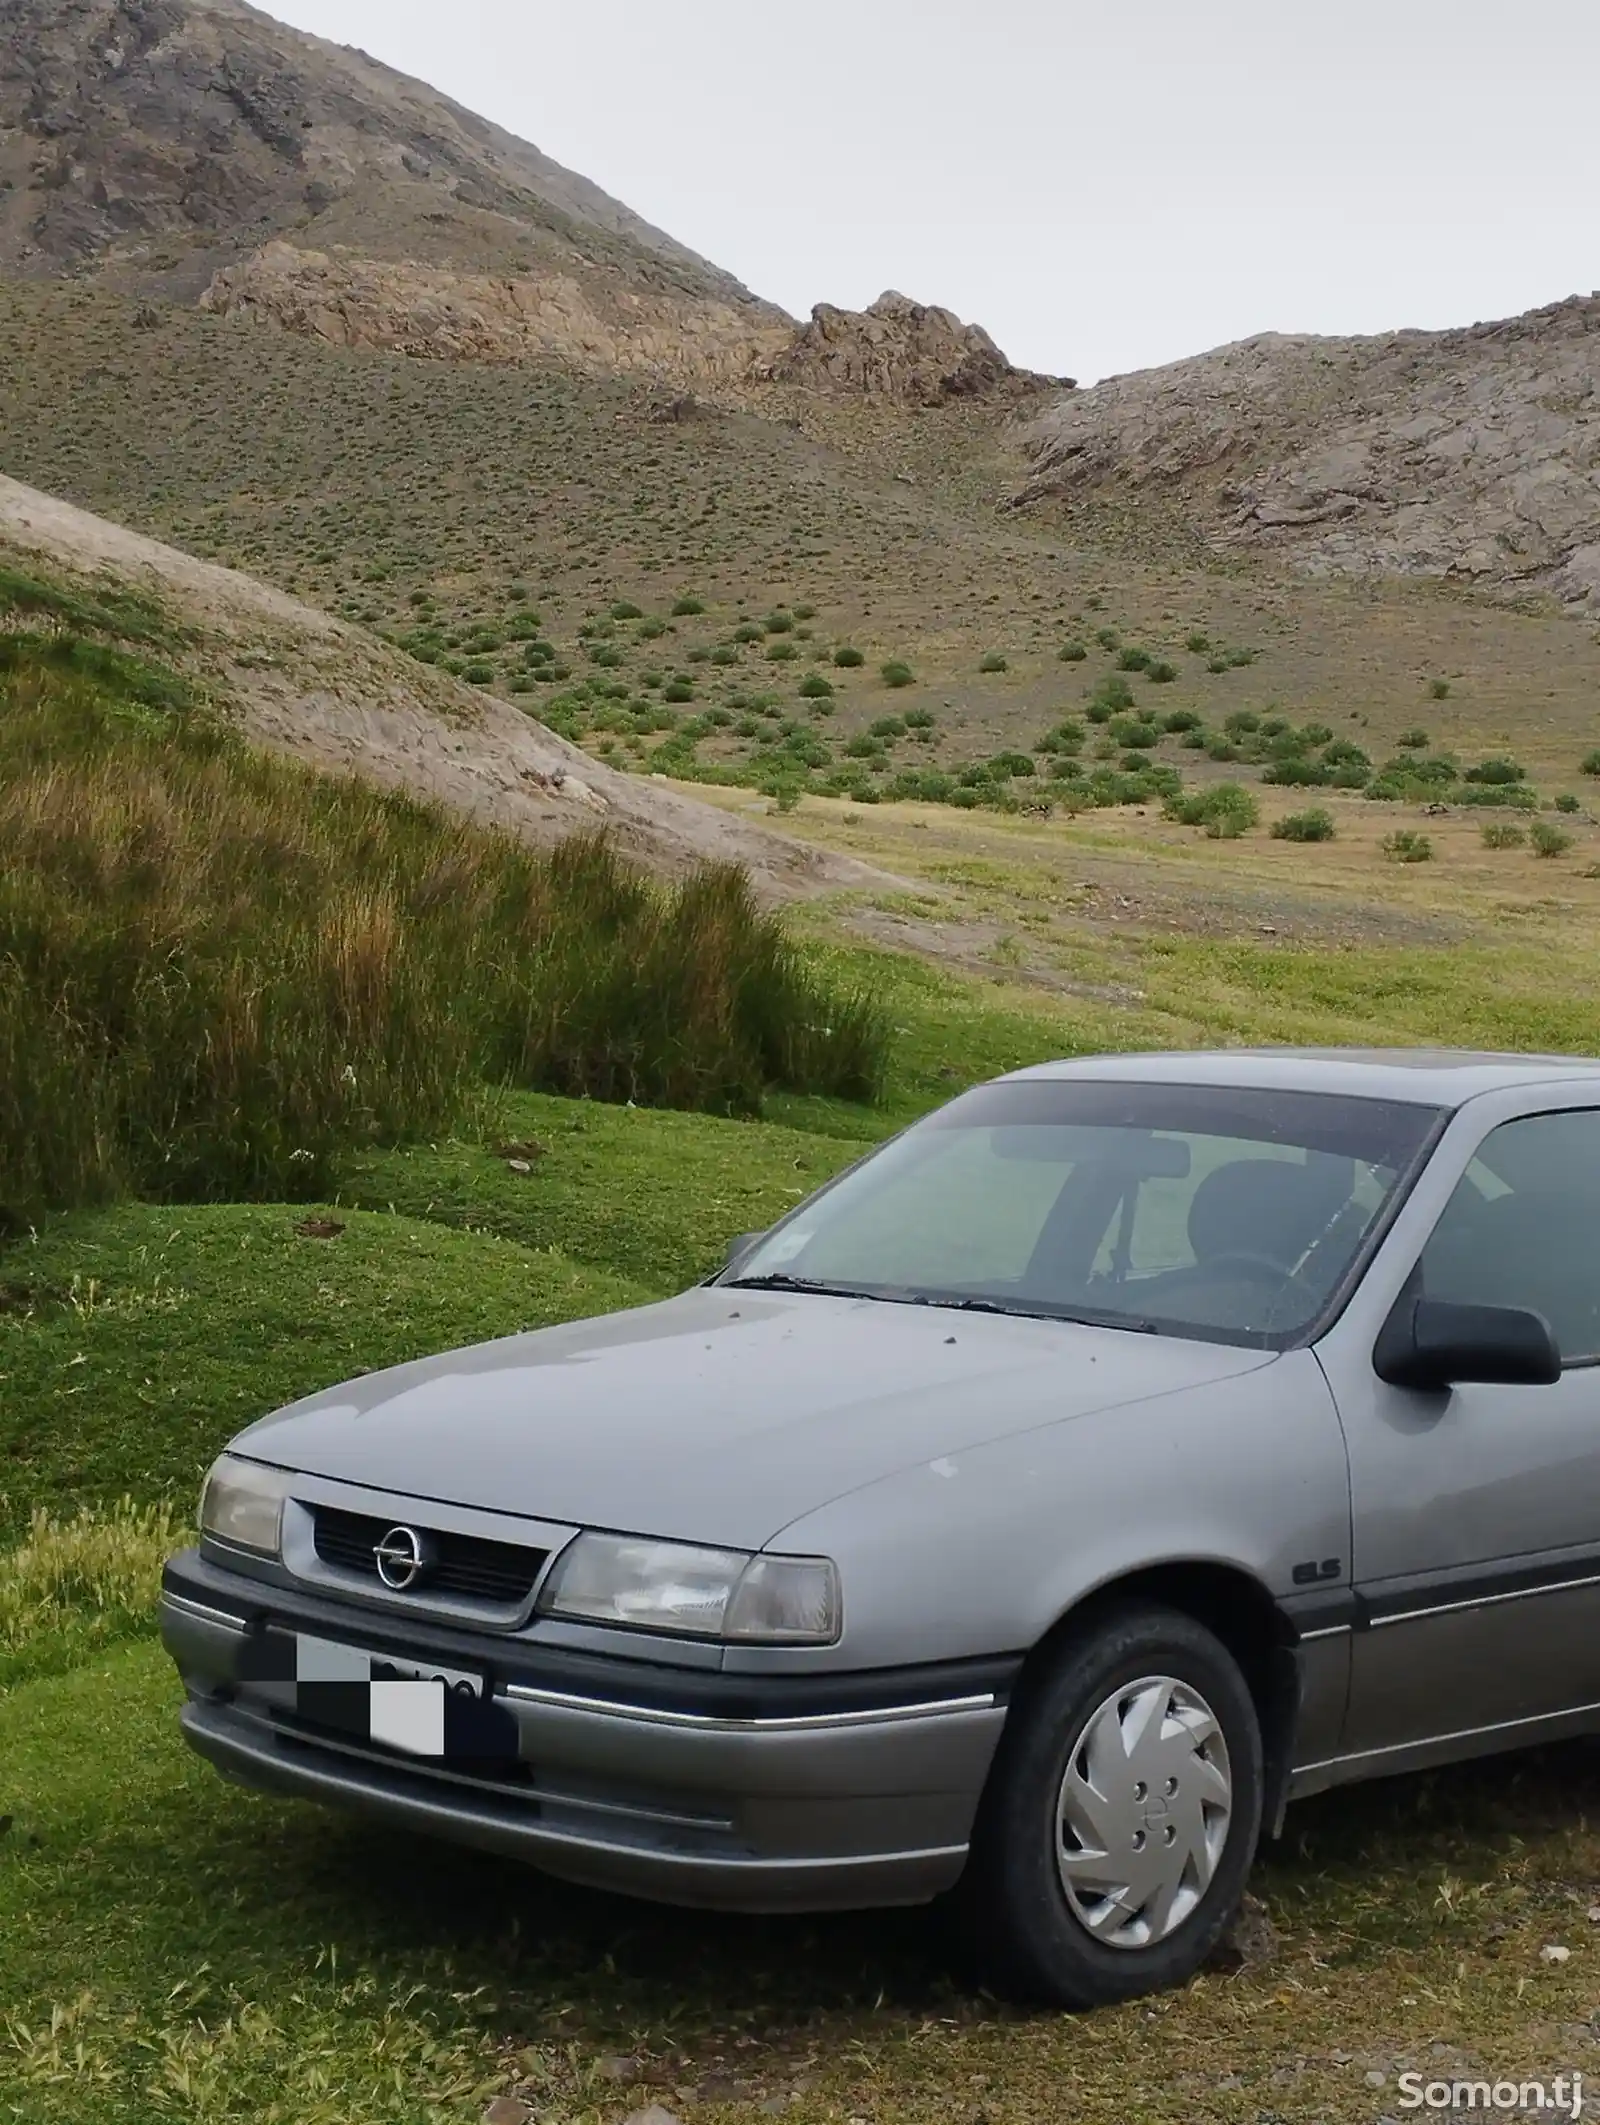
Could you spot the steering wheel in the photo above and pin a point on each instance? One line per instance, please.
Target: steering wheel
(1259, 1267)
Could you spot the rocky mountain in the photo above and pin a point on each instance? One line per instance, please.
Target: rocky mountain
(1472, 455)
(198, 150)
(155, 141)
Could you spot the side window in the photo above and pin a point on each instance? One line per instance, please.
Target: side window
(1523, 1228)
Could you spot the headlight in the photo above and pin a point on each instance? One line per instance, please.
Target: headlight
(699, 1593)
(243, 1504)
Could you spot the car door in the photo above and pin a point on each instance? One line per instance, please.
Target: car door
(1475, 1532)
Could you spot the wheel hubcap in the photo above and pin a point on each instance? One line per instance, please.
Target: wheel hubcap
(1144, 1812)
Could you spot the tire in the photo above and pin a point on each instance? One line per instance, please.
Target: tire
(1133, 1919)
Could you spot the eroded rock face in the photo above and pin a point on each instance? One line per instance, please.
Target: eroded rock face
(1470, 454)
(907, 352)
(594, 321)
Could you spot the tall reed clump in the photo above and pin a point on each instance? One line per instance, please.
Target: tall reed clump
(217, 968)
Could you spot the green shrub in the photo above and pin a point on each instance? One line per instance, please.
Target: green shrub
(1222, 749)
(1197, 644)
(1343, 753)
(478, 674)
(1414, 740)
(864, 746)
(780, 622)
(926, 785)
(993, 661)
(687, 608)
(217, 968)
(651, 630)
(919, 719)
(749, 632)
(1503, 834)
(896, 673)
(848, 657)
(1507, 796)
(1439, 689)
(1108, 638)
(1567, 802)
(678, 690)
(814, 687)
(724, 654)
(1134, 660)
(1315, 825)
(1160, 673)
(1241, 723)
(889, 727)
(1548, 839)
(1407, 846)
(1226, 810)
(623, 609)
(805, 612)
(1590, 763)
(1134, 731)
(782, 651)
(1317, 734)
(1498, 770)
(1003, 765)
(1180, 719)
(1074, 653)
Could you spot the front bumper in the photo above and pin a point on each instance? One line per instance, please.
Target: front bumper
(827, 1793)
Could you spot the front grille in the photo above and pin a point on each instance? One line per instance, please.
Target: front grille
(464, 1566)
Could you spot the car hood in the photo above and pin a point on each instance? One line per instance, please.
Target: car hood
(722, 1415)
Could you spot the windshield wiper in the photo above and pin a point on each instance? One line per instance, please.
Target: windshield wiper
(780, 1280)
(1077, 1319)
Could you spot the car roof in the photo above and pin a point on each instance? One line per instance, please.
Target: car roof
(1428, 1077)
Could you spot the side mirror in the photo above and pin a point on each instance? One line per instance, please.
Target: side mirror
(741, 1244)
(1431, 1343)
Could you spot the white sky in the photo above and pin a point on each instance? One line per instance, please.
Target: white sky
(1104, 184)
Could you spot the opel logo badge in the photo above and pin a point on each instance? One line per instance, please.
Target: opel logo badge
(401, 1557)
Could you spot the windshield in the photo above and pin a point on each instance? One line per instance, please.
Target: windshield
(1219, 1212)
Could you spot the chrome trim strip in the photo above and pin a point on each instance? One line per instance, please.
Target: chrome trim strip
(228, 1621)
(1433, 1741)
(714, 1723)
(1483, 1601)
(1328, 1630)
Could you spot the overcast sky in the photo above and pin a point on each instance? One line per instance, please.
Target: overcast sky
(1104, 184)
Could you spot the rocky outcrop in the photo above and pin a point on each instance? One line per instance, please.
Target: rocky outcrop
(598, 322)
(1471, 454)
(905, 352)
(898, 352)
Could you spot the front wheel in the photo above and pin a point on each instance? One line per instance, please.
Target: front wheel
(1121, 1816)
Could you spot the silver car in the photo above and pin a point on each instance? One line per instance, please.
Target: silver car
(1129, 1448)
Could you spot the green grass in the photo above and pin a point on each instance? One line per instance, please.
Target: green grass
(135, 1340)
(172, 1948)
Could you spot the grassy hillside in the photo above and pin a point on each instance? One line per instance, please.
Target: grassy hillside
(678, 593)
(215, 967)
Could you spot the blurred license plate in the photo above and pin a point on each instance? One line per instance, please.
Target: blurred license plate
(417, 1706)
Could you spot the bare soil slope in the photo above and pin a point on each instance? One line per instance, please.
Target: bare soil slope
(315, 687)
